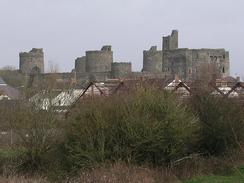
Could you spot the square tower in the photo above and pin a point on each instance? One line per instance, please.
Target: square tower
(171, 42)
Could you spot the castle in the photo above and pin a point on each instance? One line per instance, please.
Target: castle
(170, 61)
(184, 62)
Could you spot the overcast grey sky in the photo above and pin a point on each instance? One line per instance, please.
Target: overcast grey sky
(67, 28)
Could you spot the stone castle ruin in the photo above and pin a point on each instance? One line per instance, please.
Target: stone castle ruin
(186, 63)
(32, 62)
(99, 65)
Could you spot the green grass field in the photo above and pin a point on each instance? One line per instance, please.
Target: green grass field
(238, 177)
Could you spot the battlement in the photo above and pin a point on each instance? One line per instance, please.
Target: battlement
(153, 49)
(36, 50)
(106, 48)
(121, 63)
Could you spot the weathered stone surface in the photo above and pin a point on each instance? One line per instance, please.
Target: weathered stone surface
(188, 64)
(152, 60)
(80, 65)
(32, 62)
(171, 42)
(99, 61)
(121, 69)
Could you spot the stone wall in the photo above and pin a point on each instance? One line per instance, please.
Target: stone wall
(217, 60)
(152, 60)
(121, 69)
(175, 62)
(149, 75)
(189, 64)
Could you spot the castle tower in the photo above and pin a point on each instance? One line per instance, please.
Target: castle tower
(152, 60)
(32, 62)
(171, 42)
(80, 65)
(99, 61)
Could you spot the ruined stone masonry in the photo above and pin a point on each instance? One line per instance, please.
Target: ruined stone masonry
(32, 62)
(152, 60)
(183, 62)
(170, 61)
(100, 65)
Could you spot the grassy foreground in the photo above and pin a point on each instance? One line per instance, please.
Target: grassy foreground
(238, 177)
(122, 173)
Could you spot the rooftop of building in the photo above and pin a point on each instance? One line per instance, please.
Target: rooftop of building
(6, 90)
(2, 82)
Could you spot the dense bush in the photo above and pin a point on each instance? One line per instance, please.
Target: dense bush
(148, 126)
(144, 127)
(35, 132)
(10, 159)
(221, 123)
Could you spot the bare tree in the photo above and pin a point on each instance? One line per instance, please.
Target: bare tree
(8, 68)
(52, 67)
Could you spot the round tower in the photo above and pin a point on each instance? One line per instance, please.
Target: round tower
(121, 69)
(80, 65)
(99, 61)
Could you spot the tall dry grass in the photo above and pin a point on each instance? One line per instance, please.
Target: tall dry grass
(121, 172)
(16, 179)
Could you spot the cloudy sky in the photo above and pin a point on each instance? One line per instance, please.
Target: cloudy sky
(65, 29)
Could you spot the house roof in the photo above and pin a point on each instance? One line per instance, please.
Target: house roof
(225, 90)
(2, 83)
(178, 87)
(42, 99)
(67, 98)
(175, 84)
(8, 91)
